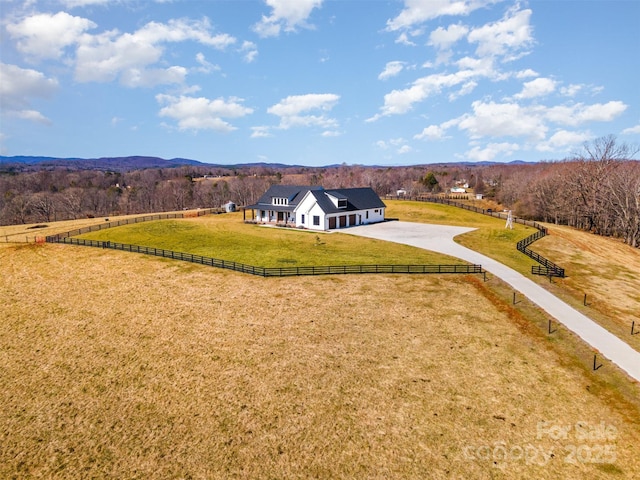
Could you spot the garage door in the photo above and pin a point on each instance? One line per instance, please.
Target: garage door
(332, 223)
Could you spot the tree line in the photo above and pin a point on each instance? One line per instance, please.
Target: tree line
(597, 190)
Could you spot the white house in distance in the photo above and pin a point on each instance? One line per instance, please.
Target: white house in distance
(315, 208)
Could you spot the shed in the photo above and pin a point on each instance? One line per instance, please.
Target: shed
(229, 207)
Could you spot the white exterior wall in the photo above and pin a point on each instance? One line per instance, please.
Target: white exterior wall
(373, 216)
(310, 208)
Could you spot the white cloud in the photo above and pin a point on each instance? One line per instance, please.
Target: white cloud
(331, 133)
(466, 89)
(527, 73)
(45, 35)
(83, 3)
(401, 101)
(404, 149)
(205, 65)
(260, 132)
(295, 110)
(579, 113)
(403, 39)
(432, 132)
(105, 57)
(19, 86)
(287, 15)
(201, 113)
(632, 130)
(444, 38)
(419, 11)
(502, 119)
(563, 140)
(250, 51)
(536, 88)
(134, 77)
(572, 90)
(491, 151)
(530, 123)
(391, 69)
(506, 37)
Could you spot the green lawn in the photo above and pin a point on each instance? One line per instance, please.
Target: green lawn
(491, 237)
(227, 237)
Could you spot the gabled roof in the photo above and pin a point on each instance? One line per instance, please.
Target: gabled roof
(294, 193)
(357, 199)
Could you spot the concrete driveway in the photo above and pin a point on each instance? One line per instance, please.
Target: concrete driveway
(439, 238)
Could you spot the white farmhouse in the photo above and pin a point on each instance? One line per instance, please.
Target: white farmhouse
(315, 208)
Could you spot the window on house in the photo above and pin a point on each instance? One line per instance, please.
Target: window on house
(302, 218)
(367, 215)
(316, 220)
(342, 203)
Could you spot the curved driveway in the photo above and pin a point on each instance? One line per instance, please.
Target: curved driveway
(439, 238)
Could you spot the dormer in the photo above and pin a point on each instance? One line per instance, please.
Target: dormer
(338, 200)
(279, 201)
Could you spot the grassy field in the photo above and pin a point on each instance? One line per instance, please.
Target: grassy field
(26, 233)
(603, 268)
(227, 237)
(127, 366)
(490, 237)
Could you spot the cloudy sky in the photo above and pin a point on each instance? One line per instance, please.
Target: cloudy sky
(317, 82)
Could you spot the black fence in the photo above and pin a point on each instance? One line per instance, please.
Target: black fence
(129, 221)
(548, 267)
(270, 271)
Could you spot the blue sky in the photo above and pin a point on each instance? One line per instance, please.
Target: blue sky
(318, 82)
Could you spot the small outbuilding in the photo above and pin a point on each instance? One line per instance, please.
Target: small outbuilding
(229, 207)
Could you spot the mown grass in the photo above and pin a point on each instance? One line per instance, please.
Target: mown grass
(127, 366)
(490, 238)
(603, 268)
(226, 237)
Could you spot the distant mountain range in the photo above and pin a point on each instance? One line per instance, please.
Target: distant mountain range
(122, 164)
(104, 163)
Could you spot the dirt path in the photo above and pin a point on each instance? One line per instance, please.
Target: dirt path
(439, 238)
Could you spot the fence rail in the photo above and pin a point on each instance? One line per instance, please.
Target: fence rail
(270, 271)
(22, 237)
(550, 268)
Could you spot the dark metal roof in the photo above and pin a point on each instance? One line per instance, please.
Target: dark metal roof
(294, 193)
(357, 198)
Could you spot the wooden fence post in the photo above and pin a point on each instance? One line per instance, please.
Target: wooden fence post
(594, 362)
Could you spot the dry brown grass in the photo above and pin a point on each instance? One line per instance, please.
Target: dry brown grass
(125, 366)
(26, 233)
(606, 269)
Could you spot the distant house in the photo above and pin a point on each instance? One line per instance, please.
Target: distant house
(458, 190)
(315, 208)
